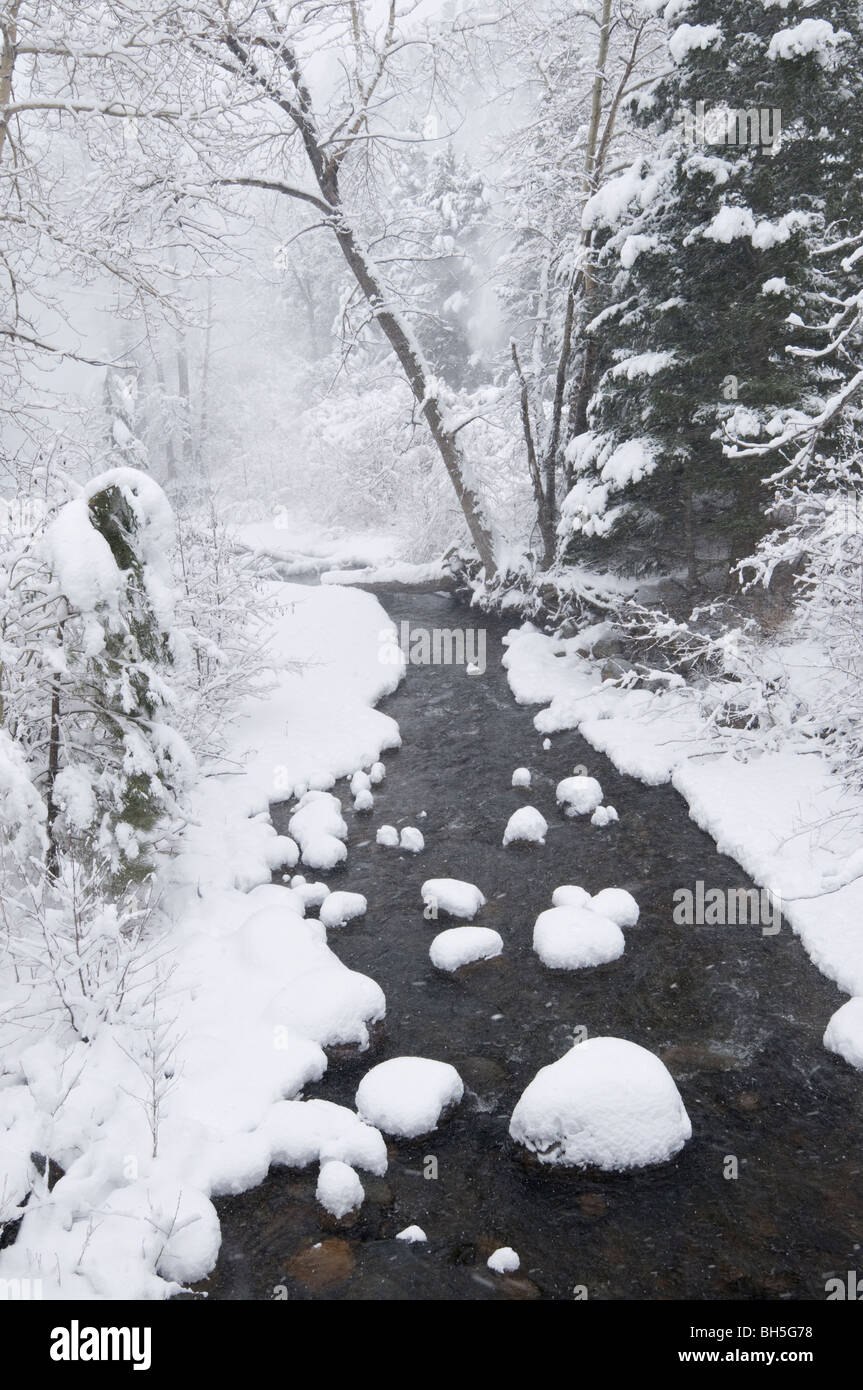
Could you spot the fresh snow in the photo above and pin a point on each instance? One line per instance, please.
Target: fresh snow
(526, 825)
(521, 777)
(412, 839)
(339, 1189)
(616, 904)
(406, 1096)
(414, 1235)
(387, 836)
(459, 946)
(572, 938)
(504, 1260)
(844, 1033)
(341, 907)
(606, 1103)
(453, 896)
(579, 795)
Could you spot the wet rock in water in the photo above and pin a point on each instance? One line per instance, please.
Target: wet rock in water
(695, 1057)
(323, 1265)
(592, 1204)
(748, 1100)
(607, 1103)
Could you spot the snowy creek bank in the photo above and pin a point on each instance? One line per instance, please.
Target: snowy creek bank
(736, 1016)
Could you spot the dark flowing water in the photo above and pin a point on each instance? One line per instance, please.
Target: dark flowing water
(737, 1017)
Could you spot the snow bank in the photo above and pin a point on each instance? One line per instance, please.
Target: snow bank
(572, 938)
(247, 995)
(452, 895)
(844, 1033)
(461, 945)
(526, 825)
(607, 1103)
(406, 1096)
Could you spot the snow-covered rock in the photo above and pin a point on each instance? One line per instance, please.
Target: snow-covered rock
(406, 1096)
(604, 815)
(571, 938)
(311, 894)
(387, 836)
(570, 895)
(339, 908)
(606, 1103)
(616, 904)
(377, 773)
(330, 1004)
(363, 801)
(339, 1189)
(412, 839)
(526, 825)
(360, 782)
(504, 1260)
(414, 1235)
(579, 796)
(844, 1033)
(459, 946)
(521, 777)
(452, 895)
(319, 829)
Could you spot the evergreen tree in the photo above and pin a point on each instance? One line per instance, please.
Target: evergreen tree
(709, 247)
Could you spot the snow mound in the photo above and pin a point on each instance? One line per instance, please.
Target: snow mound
(387, 836)
(844, 1033)
(414, 1235)
(377, 773)
(407, 1095)
(412, 839)
(319, 830)
(311, 894)
(363, 801)
(569, 895)
(360, 782)
(521, 777)
(330, 1004)
(607, 1103)
(616, 904)
(604, 815)
(504, 1260)
(339, 1189)
(579, 795)
(526, 825)
(572, 938)
(452, 895)
(461, 945)
(341, 907)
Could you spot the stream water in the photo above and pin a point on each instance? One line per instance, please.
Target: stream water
(737, 1017)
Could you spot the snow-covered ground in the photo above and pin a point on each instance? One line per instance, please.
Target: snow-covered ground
(783, 814)
(198, 1094)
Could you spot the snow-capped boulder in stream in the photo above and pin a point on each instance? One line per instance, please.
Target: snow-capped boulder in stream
(844, 1033)
(617, 904)
(521, 777)
(526, 826)
(451, 895)
(572, 938)
(606, 1103)
(458, 946)
(406, 1096)
(579, 796)
(339, 908)
(339, 1189)
(570, 895)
